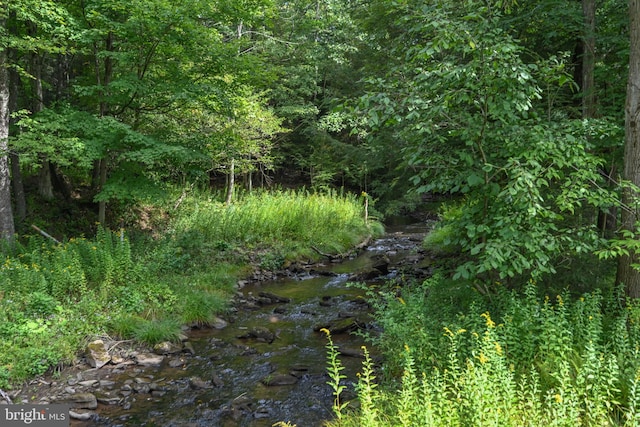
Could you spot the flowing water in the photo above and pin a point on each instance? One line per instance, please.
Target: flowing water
(223, 382)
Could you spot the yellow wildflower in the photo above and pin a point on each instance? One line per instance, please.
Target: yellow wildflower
(490, 323)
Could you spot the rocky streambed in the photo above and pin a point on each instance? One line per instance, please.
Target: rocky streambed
(263, 363)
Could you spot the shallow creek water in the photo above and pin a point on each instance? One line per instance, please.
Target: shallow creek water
(235, 369)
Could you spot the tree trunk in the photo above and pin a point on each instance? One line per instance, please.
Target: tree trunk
(102, 206)
(16, 173)
(7, 228)
(626, 274)
(104, 110)
(231, 182)
(588, 59)
(45, 187)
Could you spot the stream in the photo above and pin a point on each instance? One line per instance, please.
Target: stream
(268, 364)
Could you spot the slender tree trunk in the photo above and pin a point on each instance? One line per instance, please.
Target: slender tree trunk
(102, 206)
(7, 228)
(16, 173)
(588, 59)
(231, 181)
(626, 274)
(104, 110)
(45, 185)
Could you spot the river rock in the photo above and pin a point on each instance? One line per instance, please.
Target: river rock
(176, 363)
(259, 333)
(107, 383)
(81, 416)
(167, 347)
(338, 326)
(82, 401)
(97, 354)
(262, 412)
(279, 379)
(351, 352)
(87, 383)
(107, 399)
(217, 381)
(199, 383)
(142, 388)
(269, 298)
(218, 323)
(381, 263)
(148, 359)
(188, 348)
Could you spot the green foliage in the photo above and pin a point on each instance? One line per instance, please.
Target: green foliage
(336, 376)
(475, 116)
(542, 361)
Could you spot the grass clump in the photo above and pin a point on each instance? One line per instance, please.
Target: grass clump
(286, 218)
(516, 360)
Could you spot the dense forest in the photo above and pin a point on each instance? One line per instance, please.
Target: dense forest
(520, 118)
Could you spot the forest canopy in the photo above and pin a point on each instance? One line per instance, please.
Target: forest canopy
(512, 110)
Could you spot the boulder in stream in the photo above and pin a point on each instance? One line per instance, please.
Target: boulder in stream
(148, 359)
(167, 347)
(198, 383)
(269, 298)
(279, 379)
(82, 401)
(259, 333)
(339, 325)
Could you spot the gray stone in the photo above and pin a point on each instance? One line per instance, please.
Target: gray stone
(142, 388)
(219, 323)
(83, 401)
(259, 333)
(97, 354)
(188, 348)
(107, 399)
(149, 359)
(167, 347)
(81, 416)
(279, 379)
(199, 383)
(176, 363)
(87, 383)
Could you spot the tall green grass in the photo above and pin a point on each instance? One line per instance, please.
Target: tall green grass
(328, 220)
(519, 360)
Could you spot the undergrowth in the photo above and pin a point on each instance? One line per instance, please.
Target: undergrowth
(519, 359)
